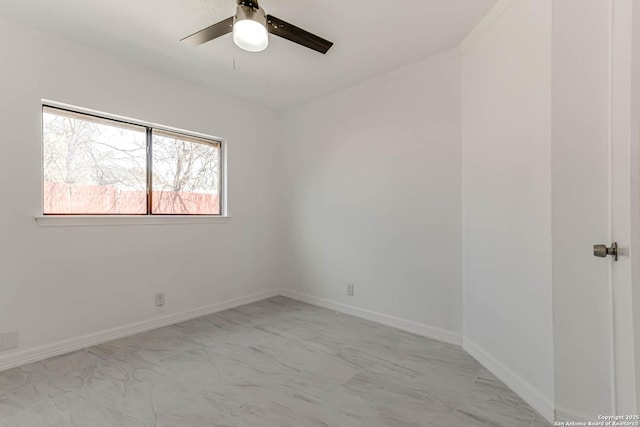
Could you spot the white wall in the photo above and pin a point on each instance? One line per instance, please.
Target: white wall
(60, 283)
(506, 170)
(365, 186)
(371, 195)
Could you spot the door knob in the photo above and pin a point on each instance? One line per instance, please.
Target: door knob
(602, 251)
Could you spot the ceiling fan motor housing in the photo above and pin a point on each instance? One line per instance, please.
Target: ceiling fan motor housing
(251, 27)
(247, 12)
(248, 3)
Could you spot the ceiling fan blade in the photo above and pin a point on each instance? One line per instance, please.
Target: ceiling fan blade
(297, 35)
(209, 33)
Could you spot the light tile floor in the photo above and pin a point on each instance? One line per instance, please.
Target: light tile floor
(278, 363)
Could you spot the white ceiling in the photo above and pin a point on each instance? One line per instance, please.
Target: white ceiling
(371, 37)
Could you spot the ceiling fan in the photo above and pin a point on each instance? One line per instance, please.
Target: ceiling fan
(251, 27)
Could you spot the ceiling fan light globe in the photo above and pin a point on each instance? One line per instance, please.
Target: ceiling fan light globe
(250, 35)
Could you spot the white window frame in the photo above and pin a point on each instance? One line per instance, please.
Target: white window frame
(64, 220)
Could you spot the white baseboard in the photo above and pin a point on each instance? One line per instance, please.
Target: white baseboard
(18, 358)
(532, 396)
(395, 322)
(565, 416)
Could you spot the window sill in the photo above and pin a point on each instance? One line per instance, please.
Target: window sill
(119, 220)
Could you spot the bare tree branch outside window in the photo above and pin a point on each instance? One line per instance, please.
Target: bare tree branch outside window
(185, 175)
(99, 166)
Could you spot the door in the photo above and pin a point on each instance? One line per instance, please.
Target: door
(625, 195)
(594, 135)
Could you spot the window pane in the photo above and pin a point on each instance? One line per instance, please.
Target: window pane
(92, 165)
(186, 175)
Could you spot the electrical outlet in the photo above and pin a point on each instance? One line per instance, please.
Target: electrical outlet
(9, 341)
(350, 289)
(160, 299)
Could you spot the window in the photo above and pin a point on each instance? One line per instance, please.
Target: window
(99, 166)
